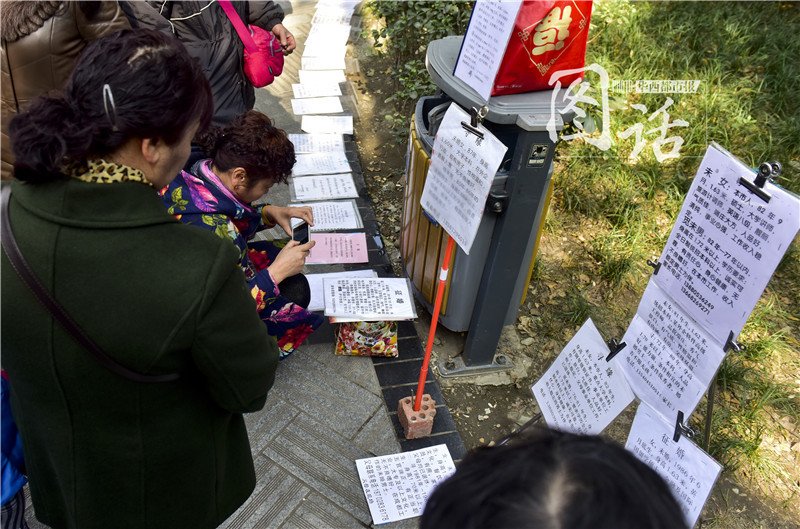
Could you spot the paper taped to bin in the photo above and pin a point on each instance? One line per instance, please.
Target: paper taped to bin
(460, 176)
(333, 216)
(316, 283)
(327, 124)
(369, 299)
(320, 163)
(397, 486)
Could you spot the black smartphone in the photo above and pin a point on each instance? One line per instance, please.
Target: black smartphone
(300, 233)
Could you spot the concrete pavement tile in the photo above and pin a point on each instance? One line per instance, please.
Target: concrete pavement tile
(314, 388)
(275, 497)
(357, 369)
(318, 512)
(324, 460)
(378, 436)
(264, 425)
(408, 523)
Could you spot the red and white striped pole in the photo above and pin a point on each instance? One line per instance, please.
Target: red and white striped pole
(423, 374)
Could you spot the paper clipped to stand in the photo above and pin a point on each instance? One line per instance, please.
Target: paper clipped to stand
(365, 299)
(460, 176)
(338, 248)
(316, 283)
(726, 244)
(669, 359)
(581, 392)
(485, 43)
(688, 470)
(397, 486)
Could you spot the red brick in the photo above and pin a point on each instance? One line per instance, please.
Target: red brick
(416, 424)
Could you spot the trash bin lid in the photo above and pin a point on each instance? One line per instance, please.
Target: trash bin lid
(530, 111)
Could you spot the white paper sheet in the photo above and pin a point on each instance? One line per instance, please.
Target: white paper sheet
(364, 299)
(317, 143)
(332, 216)
(581, 392)
(332, 15)
(691, 344)
(320, 163)
(726, 244)
(485, 43)
(317, 105)
(320, 48)
(688, 470)
(328, 62)
(331, 34)
(324, 187)
(315, 282)
(655, 374)
(327, 124)
(321, 76)
(397, 486)
(316, 90)
(460, 176)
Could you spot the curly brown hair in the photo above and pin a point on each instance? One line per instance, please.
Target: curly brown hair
(253, 143)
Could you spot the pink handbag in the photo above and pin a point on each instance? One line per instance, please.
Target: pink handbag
(263, 56)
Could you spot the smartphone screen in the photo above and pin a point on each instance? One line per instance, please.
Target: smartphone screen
(300, 233)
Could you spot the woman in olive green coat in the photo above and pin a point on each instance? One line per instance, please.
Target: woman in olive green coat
(158, 297)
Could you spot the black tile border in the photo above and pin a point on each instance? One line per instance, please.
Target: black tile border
(397, 376)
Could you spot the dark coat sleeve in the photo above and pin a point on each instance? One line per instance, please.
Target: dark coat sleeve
(145, 15)
(108, 19)
(264, 14)
(232, 349)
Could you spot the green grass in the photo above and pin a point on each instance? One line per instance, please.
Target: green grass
(746, 57)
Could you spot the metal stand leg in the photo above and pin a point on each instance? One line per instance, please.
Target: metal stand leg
(709, 414)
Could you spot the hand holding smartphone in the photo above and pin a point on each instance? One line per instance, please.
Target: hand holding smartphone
(300, 233)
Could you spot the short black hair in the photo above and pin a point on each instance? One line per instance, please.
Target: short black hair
(546, 479)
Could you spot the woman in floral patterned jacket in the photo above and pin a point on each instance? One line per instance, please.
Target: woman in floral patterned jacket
(248, 157)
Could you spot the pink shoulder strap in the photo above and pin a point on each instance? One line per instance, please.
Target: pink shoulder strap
(240, 27)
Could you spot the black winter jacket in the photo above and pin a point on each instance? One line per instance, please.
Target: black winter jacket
(210, 37)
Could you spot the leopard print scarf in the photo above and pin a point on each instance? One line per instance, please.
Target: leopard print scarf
(103, 172)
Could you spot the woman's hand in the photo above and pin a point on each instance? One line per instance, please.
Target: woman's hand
(287, 39)
(282, 216)
(290, 260)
